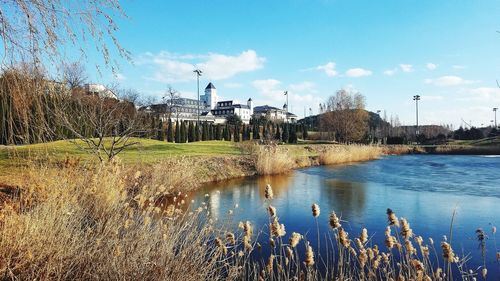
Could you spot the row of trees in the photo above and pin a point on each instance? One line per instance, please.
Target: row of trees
(188, 131)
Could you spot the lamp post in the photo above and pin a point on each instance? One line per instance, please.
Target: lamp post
(416, 98)
(198, 74)
(495, 111)
(286, 94)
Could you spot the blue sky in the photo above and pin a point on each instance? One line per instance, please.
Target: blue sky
(446, 51)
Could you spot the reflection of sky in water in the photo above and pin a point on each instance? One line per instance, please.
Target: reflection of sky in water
(424, 189)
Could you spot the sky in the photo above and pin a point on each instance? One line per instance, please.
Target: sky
(448, 52)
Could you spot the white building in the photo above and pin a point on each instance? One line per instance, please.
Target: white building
(210, 97)
(99, 89)
(226, 108)
(274, 113)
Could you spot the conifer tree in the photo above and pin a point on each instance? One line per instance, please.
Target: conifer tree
(217, 132)
(304, 132)
(255, 131)
(160, 132)
(292, 138)
(286, 133)
(170, 131)
(236, 133)
(227, 135)
(190, 132)
(177, 132)
(197, 132)
(277, 136)
(210, 132)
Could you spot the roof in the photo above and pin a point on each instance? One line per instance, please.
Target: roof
(265, 108)
(210, 86)
(250, 99)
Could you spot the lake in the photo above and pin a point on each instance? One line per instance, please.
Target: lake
(425, 189)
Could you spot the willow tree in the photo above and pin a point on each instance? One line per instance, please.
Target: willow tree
(41, 34)
(345, 116)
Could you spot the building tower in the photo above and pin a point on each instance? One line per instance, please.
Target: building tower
(210, 97)
(250, 105)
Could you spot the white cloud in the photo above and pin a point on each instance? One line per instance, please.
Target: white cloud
(406, 67)
(390, 72)
(304, 87)
(448, 80)
(483, 95)
(301, 95)
(169, 67)
(431, 66)
(358, 72)
(328, 68)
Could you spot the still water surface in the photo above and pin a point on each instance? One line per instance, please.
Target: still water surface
(425, 189)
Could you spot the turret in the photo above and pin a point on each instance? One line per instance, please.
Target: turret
(210, 95)
(250, 105)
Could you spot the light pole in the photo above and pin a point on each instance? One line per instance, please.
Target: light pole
(416, 98)
(286, 94)
(198, 74)
(495, 111)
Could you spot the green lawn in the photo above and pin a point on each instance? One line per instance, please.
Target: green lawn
(147, 151)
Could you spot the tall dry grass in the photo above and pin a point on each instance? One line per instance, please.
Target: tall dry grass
(273, 159)
(109, 223)
(340, 154)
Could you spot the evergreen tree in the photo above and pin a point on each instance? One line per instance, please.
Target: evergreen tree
(227, 135)
(292, 138)
(183, 132)
(255, 131)
(286, 133)
(170, 132)
(153, 128)
(277, 136)
(177, 132)
(249, 132)
(210, 132)
(217, 132)
(204, 131)
(304, 132)
(190, 132)
(161, 133)
(197, 132)
(236, 134)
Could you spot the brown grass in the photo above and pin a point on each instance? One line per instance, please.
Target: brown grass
(109, 222)
(348, 153)
(270, 160)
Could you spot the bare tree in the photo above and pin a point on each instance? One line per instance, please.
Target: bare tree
(35, 30)
(171, 102)
(130, 95)
(74, 75)
(100, 125)
(345, 116)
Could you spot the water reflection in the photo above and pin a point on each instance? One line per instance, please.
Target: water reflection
(344, 196)
(424, 189)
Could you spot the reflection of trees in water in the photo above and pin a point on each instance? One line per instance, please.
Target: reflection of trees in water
(222, 196)
(279, 183)
(347, 198)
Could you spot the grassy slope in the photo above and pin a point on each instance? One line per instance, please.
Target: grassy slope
(147, 151)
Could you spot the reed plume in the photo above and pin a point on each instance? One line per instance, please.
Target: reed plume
(272, 211)
(315, 210)
(448, 253)
(406, 230)
(295, 239)
(363, 237)
(391, 217)
(277, 229)
(334, 221)
(268, 193)
(309, 259)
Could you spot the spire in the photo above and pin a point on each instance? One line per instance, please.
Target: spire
(210, 86)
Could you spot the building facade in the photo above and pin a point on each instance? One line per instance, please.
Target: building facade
(226, 108)
(274, 114)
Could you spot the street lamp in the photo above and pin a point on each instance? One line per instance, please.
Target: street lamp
(416, 98)
(286, 94)
(198, 74)
(495, 110)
